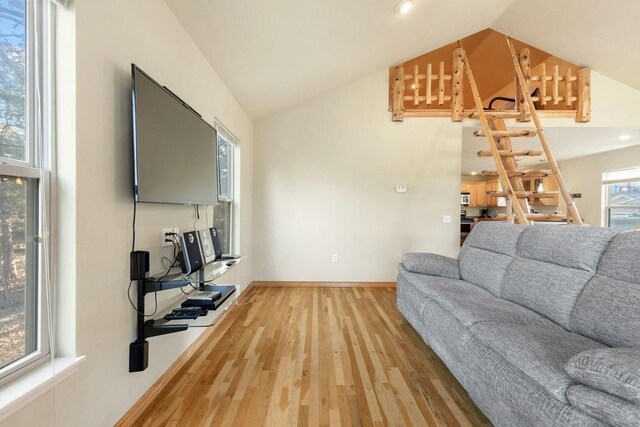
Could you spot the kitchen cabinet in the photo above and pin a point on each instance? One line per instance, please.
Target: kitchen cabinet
(478, 193)
(546, 184)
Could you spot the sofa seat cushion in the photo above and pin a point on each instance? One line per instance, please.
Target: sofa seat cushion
(541, 353)
(471, 304)
(603, 406)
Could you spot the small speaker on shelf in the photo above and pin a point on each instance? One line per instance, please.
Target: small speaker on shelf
(191, 257)
(217, 246)
(139, 265)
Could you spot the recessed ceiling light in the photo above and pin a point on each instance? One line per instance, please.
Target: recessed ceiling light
(624, 137)
(474, 173)
(404, 7)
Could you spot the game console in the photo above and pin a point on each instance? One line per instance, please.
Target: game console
(191, 257)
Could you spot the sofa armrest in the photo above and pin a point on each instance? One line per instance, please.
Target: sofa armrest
(431, 264)
(613, 370)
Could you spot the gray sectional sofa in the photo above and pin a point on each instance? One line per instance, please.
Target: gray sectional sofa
(540, 324)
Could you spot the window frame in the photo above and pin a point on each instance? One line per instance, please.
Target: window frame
(222, 133)
(37, 165)
(610, 178)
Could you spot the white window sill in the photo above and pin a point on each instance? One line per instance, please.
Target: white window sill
(19, 393)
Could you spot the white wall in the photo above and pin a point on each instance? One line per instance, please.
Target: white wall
(324, 183)
(95, 191)
(584, 175)
(326, 169)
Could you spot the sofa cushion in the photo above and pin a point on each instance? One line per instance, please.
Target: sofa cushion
(471, 304)
(573, 246)
(504, 393)
(607, 310)
(487, 252)
(545, 288)
(484, 268)
(552, 267)
(541, 353)
(613, 370)
(603, 406)
(620, 260)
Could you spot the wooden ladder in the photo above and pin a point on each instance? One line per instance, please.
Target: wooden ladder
(511, 178)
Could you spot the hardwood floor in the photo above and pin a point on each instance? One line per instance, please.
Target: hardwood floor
(314, 356)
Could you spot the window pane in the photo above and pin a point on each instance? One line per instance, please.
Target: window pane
(17, 269)
(224, 168)
(12, 79)
(624, 194)
(222, 221)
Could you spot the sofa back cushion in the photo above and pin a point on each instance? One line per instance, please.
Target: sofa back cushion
(553, 265)
(608, 309)
(487, 252)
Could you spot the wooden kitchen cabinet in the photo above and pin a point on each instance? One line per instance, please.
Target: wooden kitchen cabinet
(545, 184)
(478, 193)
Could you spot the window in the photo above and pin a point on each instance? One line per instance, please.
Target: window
(24, 186)
(223, 212)
(622, 199)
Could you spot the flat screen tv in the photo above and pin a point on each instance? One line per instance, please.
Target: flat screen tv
(174, 148)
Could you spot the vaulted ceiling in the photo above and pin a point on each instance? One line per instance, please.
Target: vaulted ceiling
(276, 53)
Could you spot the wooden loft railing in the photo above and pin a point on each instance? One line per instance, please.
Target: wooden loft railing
(431, 90)
(561, 88)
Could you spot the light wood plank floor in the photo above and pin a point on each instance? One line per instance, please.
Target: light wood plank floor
(314, 356)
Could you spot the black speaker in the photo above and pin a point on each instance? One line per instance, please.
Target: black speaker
(139, 265)
(191, 258)
(217, 247)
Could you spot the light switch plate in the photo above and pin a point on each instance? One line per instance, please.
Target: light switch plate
(446, 219)
(401, 188)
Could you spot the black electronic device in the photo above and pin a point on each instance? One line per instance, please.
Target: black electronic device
(190, 257)
(168, 131)
(217, 246)
(206, 245)
(138, 356)
(183, 313)
(204, 299)
(139, 265)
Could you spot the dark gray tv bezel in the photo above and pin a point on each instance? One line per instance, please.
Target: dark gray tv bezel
(136, 194)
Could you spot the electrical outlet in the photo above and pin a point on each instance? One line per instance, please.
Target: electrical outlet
(334, 258)
(167, 238)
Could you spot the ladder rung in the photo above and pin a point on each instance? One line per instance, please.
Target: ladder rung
(525, 194)
(509, 153)
(538, 217)
(514, 133)
(499, 115)
(534, 173)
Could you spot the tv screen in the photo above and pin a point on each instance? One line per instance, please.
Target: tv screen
(174, 148)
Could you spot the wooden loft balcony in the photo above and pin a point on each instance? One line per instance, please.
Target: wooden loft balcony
(433, 84)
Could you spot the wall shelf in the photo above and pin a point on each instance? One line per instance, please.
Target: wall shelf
(139, 349)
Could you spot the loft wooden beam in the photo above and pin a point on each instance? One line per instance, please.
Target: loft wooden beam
(457, 93)
(583, 113)
(398, 94)
(522, 105)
